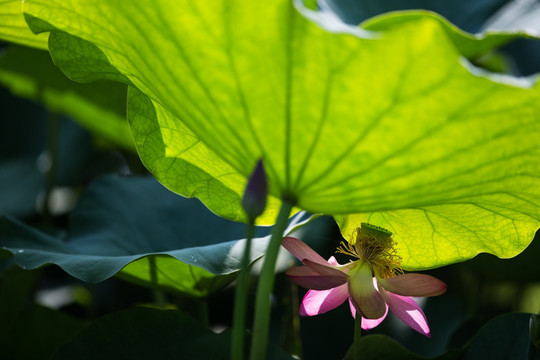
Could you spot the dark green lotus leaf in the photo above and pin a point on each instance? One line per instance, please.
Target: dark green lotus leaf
(503, 337)
(145, 333)
(121, 221)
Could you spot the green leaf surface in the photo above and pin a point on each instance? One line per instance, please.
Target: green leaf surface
(29, 182)
(469, 16)
(26, 323)
(399, 127)
(46, 329)
(377, 346)
(21, 180)
(144, 333)
(503, 337)
(121, 221)
(99, 106)
(13, 27)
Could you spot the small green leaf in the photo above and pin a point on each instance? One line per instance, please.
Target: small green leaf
(398, 127)
(13, 27)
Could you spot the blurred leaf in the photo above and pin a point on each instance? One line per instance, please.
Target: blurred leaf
(504, 337)
(16, 286)
(399, 128)
(20, 184)
(534, 326)
(383, 347)
(13, 27)
(25, 323)
(520, 15)
(144, 333)
(21, 181)
(100, 106)
(467, 15)
(516, 16)
(45, 329)
(119, 221)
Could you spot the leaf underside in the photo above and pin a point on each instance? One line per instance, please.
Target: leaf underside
(399, 130)
(122, 224)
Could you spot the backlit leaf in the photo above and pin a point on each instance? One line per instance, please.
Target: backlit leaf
(398, 126)
(13, 28)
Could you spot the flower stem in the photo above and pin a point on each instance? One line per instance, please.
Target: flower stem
(266, 284)
(240, 300)
(357, 336)
(159, 296)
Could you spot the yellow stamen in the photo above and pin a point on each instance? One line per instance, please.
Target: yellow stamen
(374, 245)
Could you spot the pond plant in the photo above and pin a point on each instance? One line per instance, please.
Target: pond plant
(412, 141)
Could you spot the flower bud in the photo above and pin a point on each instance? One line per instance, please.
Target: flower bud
(254, 200)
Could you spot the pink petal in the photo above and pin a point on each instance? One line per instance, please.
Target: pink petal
(318, 302)
(413, 285)
(351, 306)
(302, 251)
(326, 269)
(365, 298)
(408, 311)
(368, 324)
(306, 277)
(332, 261)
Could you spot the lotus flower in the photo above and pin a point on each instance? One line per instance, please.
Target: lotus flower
(373, 282)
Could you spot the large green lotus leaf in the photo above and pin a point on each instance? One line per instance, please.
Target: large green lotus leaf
(135, 221)
(396, 125)
(99, 106)
(13, 28)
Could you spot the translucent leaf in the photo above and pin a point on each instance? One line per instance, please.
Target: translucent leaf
(396, 126)
(13, 28)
